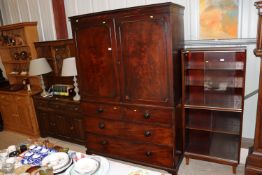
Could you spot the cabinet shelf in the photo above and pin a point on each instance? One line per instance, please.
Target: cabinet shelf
(211, 158)
(238, 65)
(218, 145)
(226, 122)
(217, 85)
(15, 62)
(223, 102)
(11, 47)
(212, 130)
(187, 106)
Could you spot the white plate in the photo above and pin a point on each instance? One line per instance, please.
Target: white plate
(56, 160)
(103, 169)
(104, 164)
(86, 166)
(58, 171)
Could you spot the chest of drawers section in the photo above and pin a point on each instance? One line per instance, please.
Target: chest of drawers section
(133, 133)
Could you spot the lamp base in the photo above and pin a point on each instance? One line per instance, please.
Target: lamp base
(44, 93)
(77, 96)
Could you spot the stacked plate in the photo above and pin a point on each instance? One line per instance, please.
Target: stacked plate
(92, 165)
(59, 162)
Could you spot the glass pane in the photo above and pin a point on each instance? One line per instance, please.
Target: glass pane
(222, 80)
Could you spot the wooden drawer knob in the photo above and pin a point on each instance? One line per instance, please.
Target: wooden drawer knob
(100, 110)
(146, 115)
(104, 142)
(148, 153)
(147, 134)
(101, 125)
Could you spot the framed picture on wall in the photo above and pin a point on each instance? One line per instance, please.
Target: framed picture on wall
(218, 19)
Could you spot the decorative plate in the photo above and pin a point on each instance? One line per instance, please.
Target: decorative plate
(56, 160)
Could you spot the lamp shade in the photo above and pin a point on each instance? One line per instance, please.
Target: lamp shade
(39, 66)
(69, 67)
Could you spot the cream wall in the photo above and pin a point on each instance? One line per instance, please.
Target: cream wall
(41, 11)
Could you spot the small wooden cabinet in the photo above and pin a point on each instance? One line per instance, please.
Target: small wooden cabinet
(130, 83)
(60, 117)
(213, 95)
(19, 116)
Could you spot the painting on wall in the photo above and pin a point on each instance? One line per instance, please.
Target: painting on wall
(218, 19)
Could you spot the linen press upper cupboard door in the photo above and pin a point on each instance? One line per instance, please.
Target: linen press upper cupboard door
(144, 47)
(97, 64)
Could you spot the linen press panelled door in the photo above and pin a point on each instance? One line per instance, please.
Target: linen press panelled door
(143, 48)
(96, 50)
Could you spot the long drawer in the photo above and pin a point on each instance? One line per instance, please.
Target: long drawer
(102, 110)
(57, 105)
(147, 153)
(148, 114)
(131, 131)
(129, 113)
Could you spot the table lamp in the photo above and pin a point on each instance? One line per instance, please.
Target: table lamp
(68, 70)
(39, 67)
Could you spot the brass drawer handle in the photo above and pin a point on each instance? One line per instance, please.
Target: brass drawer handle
(100, 110)
(146, 115)
(148, 153)
(71, 128)
(147, 133)
(104, 142)
(101, 125)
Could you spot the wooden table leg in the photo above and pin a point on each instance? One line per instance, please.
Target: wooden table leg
(234, 168)
(187, 161)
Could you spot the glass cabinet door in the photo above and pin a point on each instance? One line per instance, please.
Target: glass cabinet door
(215, 79)
(223, 79)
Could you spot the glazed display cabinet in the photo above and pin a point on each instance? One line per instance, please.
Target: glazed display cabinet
(213, 94)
